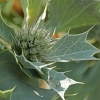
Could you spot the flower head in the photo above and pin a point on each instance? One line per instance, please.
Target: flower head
(33, 44)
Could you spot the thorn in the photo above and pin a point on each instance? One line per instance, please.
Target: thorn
(54, 32)
(53, 67)
(90, 28)
(69, 30)
(80, 83)
(71, 94)
(44, 13)
(66, 71)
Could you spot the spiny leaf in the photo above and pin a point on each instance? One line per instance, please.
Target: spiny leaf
(72, 47)
(31, 65)
(82, 71)
(57, 81)
(6, 95)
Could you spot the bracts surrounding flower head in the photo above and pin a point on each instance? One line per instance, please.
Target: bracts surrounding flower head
(34, 41)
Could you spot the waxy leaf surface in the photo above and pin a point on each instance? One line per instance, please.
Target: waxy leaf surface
(72, 47)
(57, 81)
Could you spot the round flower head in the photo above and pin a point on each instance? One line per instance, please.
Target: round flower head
(33, 44)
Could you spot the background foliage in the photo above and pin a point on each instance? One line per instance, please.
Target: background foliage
(76, 15)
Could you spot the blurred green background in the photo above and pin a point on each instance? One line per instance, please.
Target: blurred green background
(78, 16)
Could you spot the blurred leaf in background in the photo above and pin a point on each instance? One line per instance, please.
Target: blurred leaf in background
(73, 14)
(12, 12)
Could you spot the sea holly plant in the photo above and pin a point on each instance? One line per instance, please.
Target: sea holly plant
(35, 50)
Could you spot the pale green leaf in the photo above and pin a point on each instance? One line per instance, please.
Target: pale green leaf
(6, 95)
(31, 65)
(73, 13)
(11, 76)
(86, 72)
(57, 81)
(7, 33)
(72, 47)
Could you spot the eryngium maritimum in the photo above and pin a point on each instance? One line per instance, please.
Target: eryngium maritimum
(33, 44)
